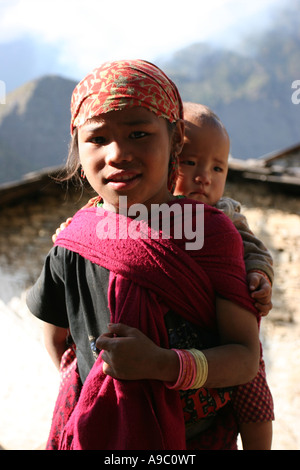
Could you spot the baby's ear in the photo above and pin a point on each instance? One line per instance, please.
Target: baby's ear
(178, 137)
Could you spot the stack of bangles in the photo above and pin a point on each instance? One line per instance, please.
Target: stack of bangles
(193, 370)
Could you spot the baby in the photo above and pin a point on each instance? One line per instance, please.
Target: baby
(203, 168)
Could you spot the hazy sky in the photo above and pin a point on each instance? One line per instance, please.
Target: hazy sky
(85, 33)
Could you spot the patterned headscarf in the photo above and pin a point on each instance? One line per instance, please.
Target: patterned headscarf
(124, 84)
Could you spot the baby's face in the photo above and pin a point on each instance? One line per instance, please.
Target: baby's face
(203, 162)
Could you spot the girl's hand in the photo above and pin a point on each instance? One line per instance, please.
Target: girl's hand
(61, 227)
(261, 292)
(128, 354)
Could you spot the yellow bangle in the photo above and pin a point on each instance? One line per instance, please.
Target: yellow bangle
(202, 368)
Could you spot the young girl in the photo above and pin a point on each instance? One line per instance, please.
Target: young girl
(178, 320)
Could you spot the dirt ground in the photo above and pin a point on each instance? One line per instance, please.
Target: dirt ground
(30, 381)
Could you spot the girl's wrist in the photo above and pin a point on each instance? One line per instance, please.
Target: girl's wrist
(167, 365)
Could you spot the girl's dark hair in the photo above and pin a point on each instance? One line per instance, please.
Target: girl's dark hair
(72, 167)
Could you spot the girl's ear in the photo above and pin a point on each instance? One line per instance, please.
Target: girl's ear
(178, 137)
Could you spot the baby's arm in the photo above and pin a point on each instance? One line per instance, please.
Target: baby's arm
(258, 260)
(259, 265)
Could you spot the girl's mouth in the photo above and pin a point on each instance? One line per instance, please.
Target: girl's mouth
(123, 179)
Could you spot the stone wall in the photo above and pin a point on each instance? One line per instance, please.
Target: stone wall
(26, 230)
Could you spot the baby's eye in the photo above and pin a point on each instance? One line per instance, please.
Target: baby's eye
(187, 162)
(218, 169)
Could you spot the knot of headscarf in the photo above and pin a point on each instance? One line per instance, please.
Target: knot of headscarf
(124, 84)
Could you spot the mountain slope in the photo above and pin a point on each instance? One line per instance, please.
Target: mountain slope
(250, 89)
(34, 127)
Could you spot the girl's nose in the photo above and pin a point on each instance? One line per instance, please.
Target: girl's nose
(117, 153)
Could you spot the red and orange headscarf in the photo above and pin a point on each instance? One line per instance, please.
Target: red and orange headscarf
(124, 84)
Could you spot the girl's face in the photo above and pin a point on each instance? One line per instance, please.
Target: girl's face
(126, 153)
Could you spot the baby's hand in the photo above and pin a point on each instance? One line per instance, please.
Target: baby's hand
(261, 292)
(61, 227)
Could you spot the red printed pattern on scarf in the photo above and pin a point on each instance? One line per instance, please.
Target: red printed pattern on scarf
(123, 84)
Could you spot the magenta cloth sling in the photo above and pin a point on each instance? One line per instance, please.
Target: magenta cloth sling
(149, 277)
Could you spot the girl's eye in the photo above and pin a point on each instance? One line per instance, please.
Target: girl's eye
(98, 140)
(138, 134)
(218, 169)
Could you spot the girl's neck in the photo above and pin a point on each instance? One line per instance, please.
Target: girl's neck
(122, 207)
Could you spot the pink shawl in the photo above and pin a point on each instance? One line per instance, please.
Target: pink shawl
(149, 277)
